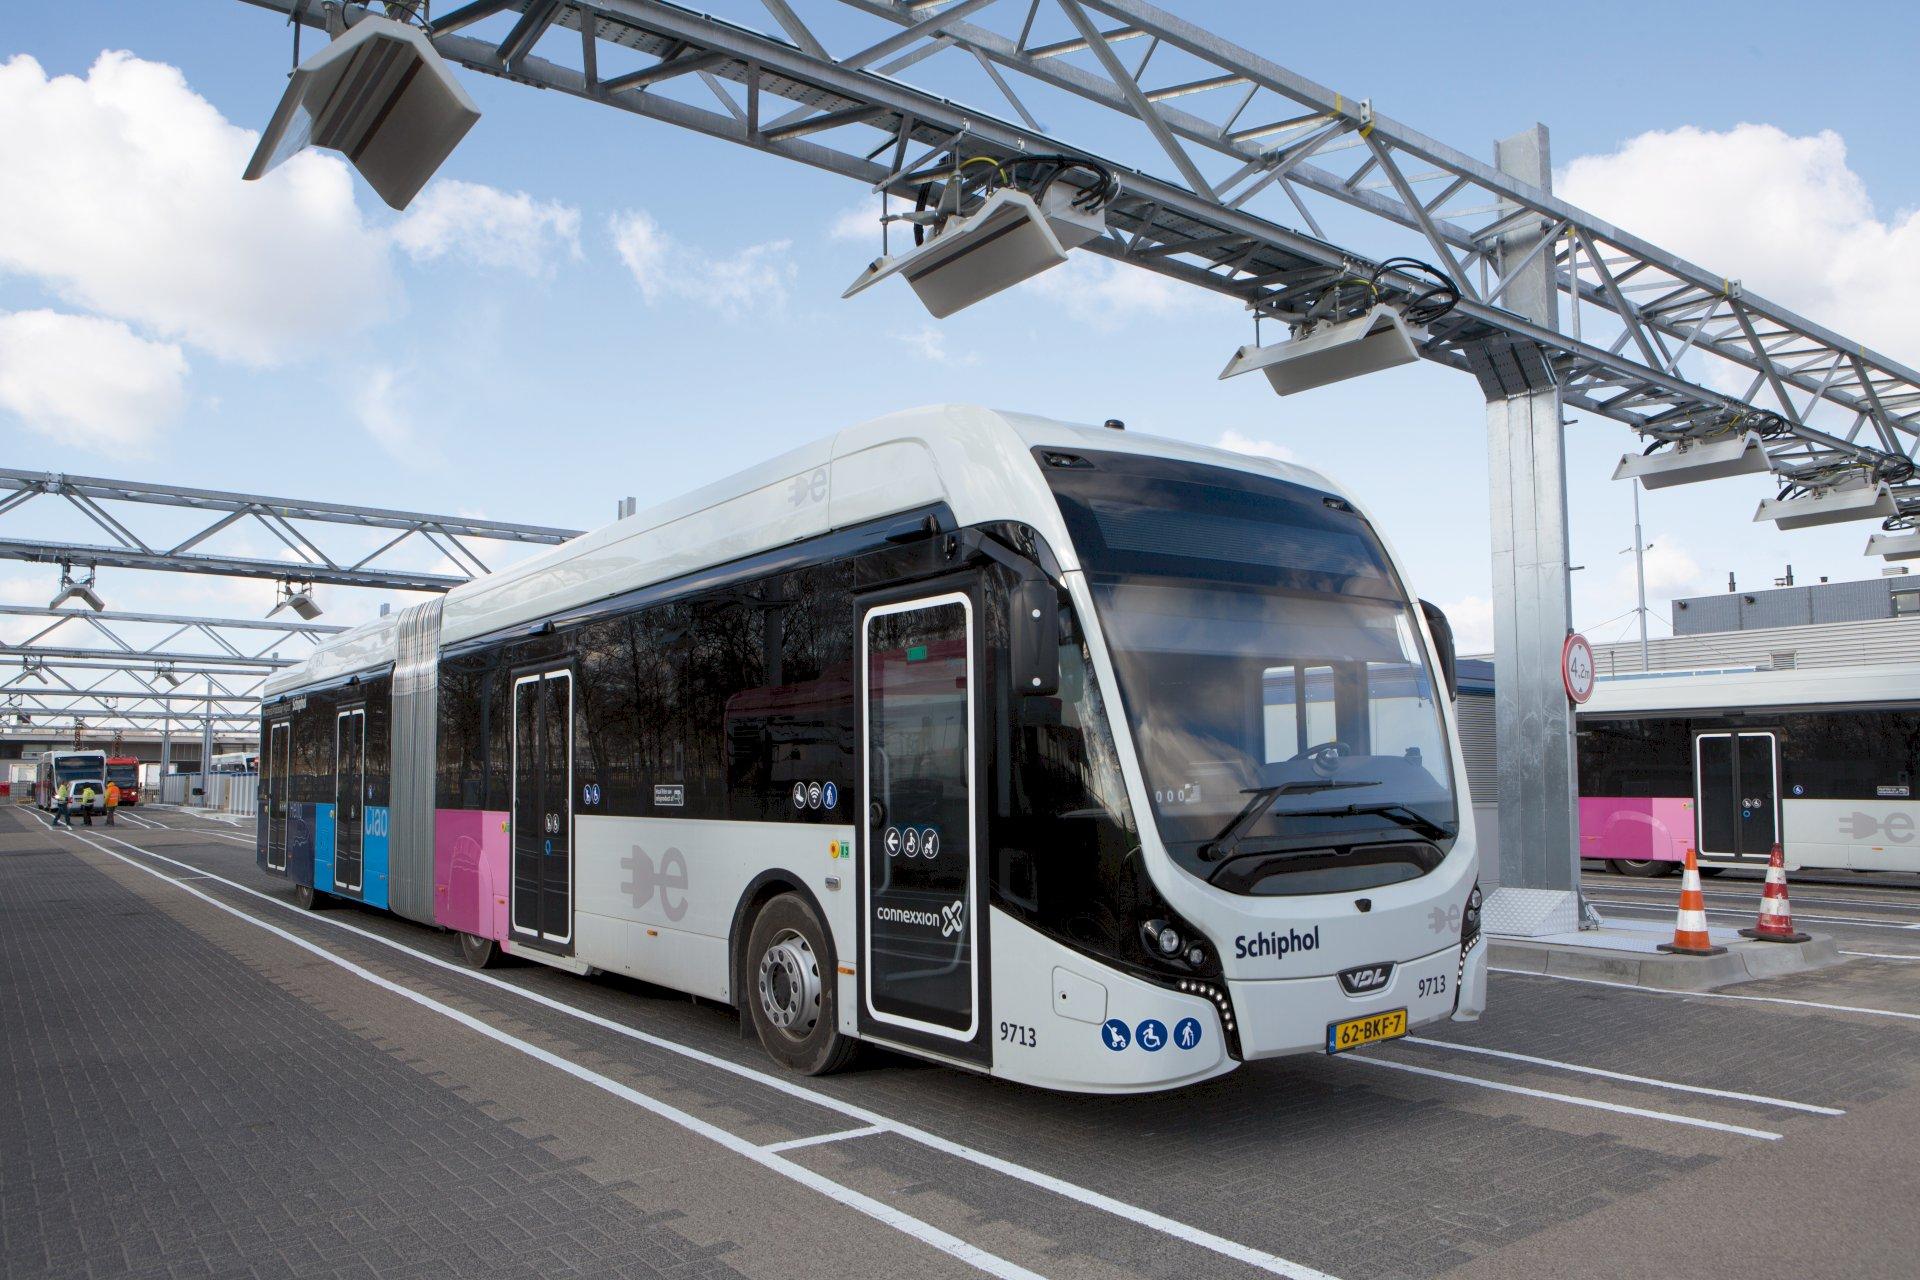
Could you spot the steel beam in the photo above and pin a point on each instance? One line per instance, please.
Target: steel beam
(295, 523)
(171, 619)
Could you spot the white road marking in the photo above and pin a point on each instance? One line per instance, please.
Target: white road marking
(1621, 1075)
(879, 1211)
(1500, 1087)
(1879, 955)
(1750, 913)
(819, 1138)
(1909, 902)
(1260, 1259)
(1707, 995)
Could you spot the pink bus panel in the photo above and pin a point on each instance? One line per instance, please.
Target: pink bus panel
(1642, 828)
(470, 881)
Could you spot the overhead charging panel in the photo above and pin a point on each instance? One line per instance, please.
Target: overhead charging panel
(1008, 239)
(1690, 461)
(1380, 339)
(1895, 546)
(382, 97)
(1857, 501)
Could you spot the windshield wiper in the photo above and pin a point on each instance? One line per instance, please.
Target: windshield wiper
(1228, 840)
(1405, 815)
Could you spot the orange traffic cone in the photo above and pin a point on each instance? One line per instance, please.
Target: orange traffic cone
(1690, 929)
(1776, 918)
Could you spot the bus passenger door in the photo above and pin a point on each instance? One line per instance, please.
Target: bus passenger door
(277, 782)
(921, 964)
(349, 796)
(1737, 794)
(542, 812)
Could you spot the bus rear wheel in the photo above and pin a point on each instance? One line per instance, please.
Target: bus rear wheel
(480, 953)
(1643, 866)
(789, 979)
(308, 898)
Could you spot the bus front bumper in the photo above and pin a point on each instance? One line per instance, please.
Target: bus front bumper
(1292, 1015)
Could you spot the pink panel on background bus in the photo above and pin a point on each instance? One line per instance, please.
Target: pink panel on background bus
(470, 871)
(1642, 828)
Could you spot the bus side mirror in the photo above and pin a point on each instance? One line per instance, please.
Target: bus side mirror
(1442, 631)
(1034, 638)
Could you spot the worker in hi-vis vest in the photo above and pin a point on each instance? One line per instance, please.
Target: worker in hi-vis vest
(61, 802)
(113, 799)
(88, 799)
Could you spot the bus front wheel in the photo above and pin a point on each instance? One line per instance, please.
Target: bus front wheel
(788, 976)
(308, 898)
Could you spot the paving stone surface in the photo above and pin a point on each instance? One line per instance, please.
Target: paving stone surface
(165, 1111)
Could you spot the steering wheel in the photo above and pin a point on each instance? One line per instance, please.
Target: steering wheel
(1322, 756)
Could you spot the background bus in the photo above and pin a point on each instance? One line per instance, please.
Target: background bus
(235, 762)
(1822, 759)
(124, 772)
(76, 769)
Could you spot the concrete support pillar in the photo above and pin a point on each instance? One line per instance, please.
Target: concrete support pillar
(1538, 867)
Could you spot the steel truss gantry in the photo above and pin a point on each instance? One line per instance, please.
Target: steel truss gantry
(296, 523)
(114, 681)
(1242, 165)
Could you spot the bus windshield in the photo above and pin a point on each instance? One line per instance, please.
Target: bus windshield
(77, 767)
(1267, 656)
(123, 774)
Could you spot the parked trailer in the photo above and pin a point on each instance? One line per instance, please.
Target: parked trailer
(1822, 760)
(1089, 760)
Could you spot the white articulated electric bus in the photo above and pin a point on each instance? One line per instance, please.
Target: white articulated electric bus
(1823, 760)
(1091, 760)
(78, 769)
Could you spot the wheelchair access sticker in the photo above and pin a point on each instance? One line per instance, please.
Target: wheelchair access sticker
(1150, 1034)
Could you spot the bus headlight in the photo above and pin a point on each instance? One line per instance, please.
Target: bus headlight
(1470, 920)
(1162, 938)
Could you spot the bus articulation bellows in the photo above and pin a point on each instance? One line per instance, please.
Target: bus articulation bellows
(1089, 760)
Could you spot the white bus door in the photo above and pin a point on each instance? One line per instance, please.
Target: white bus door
(1737, 794)
(921, 965)
(542, 813)
(349, 796)
(277, 784)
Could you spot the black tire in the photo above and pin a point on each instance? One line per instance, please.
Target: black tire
(480, 953)
(787, 975)
(1711, 871)
(308, 898)
(1644, 868)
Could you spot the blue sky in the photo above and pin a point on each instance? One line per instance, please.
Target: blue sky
(540, 375)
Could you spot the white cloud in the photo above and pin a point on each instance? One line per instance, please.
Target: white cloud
(1107, 294)
(1257, 448)
(90, 382)
(123, 195)
(383, 406)
(1784, 215)
(757, 277)
(489, 227)
(1472, 619)
(929, 342)
(861, 224)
